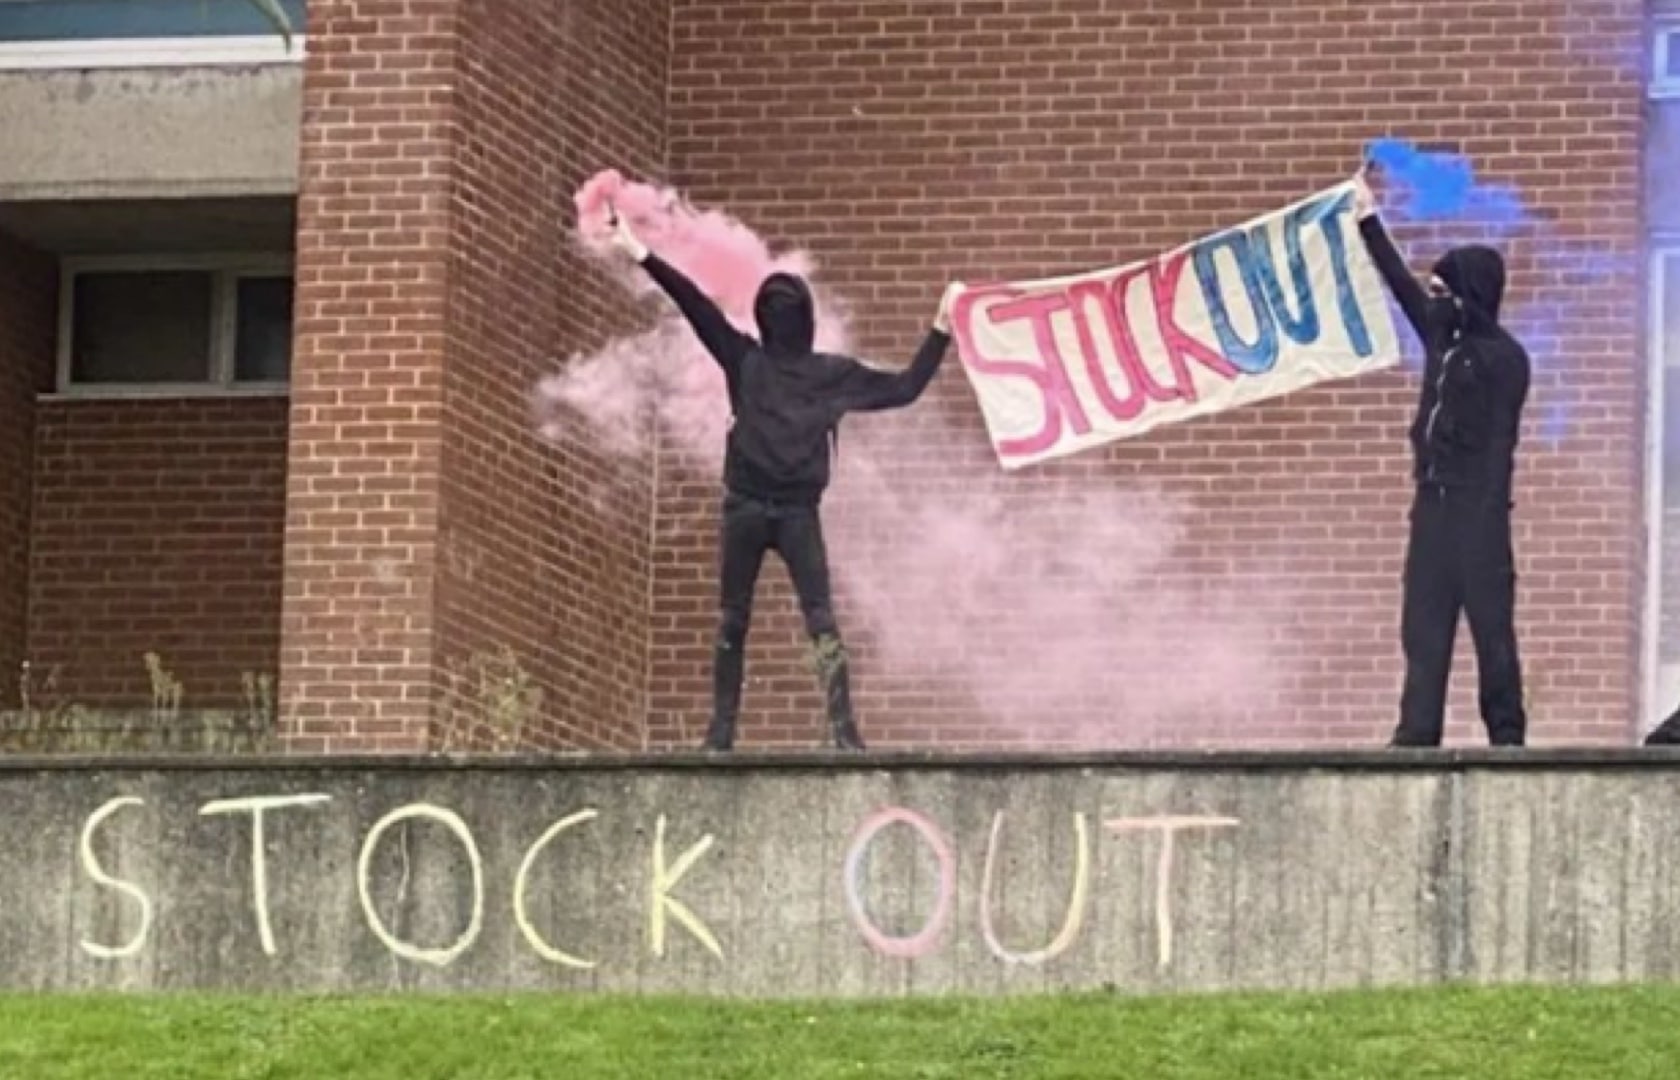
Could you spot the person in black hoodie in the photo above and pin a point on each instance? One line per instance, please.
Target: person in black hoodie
(1464, 439)
(786, 402)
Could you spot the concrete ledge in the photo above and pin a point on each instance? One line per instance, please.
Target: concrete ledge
(798, 875)
(1570, 758)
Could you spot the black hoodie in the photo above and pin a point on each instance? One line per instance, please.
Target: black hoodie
(787, 400)
(1475, 378)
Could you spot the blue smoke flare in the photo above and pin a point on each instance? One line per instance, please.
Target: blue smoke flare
(1443, 187)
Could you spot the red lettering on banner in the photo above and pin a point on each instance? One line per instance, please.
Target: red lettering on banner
(1049, 375)
(1111, 298)
(1048, 372)
(1080, 295)
(1163, 280)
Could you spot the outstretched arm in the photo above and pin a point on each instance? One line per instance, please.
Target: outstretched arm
(868, 390)
(726, 344)
(1413, 301)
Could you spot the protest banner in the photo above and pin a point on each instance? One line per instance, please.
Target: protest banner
(1285, 301)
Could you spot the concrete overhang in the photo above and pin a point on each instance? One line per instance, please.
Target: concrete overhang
(150, 133)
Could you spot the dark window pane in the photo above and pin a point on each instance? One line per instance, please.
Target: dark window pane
(1672, 68)
(141, 327)
(81, 20)
(263, 350)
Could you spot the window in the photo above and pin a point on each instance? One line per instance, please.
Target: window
(83, 20)
(198, 325)
(1665, 60)
(1662, 615)
(143, 33)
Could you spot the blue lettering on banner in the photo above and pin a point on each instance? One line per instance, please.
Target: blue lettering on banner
(1329, 209)
(1251, 357)
(1267, 297)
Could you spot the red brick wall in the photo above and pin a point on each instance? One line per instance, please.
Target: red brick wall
(157, 529)
(28, 317)
(538, 555)
(426, 526)
(908, 143)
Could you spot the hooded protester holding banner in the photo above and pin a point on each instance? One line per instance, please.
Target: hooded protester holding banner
(1464, 440)
(786, 402)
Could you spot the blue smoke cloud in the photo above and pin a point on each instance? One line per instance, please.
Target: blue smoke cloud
(1443, 187)
(1425, 187)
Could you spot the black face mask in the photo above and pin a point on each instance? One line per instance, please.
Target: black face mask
(1445, 318)
(1476, 276)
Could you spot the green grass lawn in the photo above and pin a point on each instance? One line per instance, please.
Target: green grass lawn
(1616, 1034)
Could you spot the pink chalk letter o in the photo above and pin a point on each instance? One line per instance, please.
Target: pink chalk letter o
(922, 942)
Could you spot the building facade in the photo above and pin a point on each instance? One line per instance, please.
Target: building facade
(269, 321)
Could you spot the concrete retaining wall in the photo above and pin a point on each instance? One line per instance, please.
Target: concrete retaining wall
(790, 877)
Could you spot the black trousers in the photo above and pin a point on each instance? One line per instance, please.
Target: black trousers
(1458, 559)
(752, 527)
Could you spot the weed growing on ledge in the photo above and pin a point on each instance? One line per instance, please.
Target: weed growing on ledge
(259, 699)
(166, 690)
(492, 690)
(42, 705)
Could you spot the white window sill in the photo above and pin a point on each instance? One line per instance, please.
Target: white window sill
(1665, 90)
(167, 392)
(95, 53)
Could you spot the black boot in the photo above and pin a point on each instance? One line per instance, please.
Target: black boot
(834, 672)
(728, 672)
(720, 736)
(847, 736)
(1666, 733)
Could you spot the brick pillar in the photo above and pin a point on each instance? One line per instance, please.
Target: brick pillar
(542, 558)
(427, 529)
(28, 318)
(357, 621)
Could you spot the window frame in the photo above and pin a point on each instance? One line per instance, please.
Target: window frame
(1665, 43)
(226, 270)
(1664, 259)
(168, 48)
(93, 54)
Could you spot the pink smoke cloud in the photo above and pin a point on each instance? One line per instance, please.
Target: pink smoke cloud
(664, 371)
(1047, 603)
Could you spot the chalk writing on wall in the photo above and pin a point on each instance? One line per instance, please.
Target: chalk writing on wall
(664, 908)
(1076, 903)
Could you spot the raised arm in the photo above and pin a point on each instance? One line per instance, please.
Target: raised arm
(866, 390)
(726, 344)
(1413, 301)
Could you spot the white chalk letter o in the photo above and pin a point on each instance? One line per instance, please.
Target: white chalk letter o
(452, 822)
